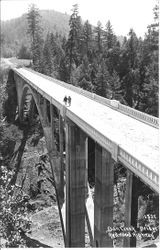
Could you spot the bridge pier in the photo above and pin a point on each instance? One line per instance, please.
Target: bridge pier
(91, 160)
(103, 198)
(61, 148)
(131, 206)
(75, 185)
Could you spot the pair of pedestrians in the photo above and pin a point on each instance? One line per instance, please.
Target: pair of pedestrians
(67, 100)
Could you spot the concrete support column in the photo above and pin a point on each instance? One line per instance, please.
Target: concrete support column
(61, 147)
(90, 179)
(86, 168)
(91, 160)
(131, 206)
(32, 109)
(45, 111)
(51, 119)
(103, 198)
(48, 128)
(75, 185)
(15, 79)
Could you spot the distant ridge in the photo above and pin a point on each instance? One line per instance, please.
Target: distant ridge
(14, 31)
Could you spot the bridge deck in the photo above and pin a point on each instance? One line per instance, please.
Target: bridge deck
(137, 138)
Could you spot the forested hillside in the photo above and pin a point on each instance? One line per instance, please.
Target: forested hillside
(92, 58)
(14, 32)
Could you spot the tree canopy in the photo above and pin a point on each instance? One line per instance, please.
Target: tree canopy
(94, 59)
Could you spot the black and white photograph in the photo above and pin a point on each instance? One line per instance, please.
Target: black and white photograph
(79, 124)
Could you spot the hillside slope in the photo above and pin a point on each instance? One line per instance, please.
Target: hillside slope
(14, 31)
(51, 21)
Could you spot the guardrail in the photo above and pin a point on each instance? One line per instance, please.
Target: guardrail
(149, 176)
(149, 119)
(143, 117)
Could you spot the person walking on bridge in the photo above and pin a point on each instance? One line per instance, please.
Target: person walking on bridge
(69, 100)
(65, 100)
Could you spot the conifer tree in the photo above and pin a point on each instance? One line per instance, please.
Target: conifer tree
(35, 32)
(150, 100)
(131, 77)
(113, 60)
(57, 51)
(82, 76)
(102, 79)
(99, 37)
(73, 43)
(47, 57)
(114, 88)
(63, 72)
(109, 37)
(87, 39)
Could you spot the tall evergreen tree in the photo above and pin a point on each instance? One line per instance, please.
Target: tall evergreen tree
(57, 52)
(132, 45)
(47, 57)
(113, 60)
(87, 39)
(150, 102)
(73, 43)
(82, 75)
(63, 72)
(99, 37)
(102, 79)
(35, 32)
(109, 37)
(114, 88)
(131, 77)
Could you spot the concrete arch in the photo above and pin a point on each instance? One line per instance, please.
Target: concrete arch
(45, 120)
(47, 126)
(25, 89)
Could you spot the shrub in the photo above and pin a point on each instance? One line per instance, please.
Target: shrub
(14, 221)
(9, 135)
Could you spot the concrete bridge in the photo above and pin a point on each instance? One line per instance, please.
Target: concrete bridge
(114, 133)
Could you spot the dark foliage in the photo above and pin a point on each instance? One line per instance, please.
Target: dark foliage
(10, 104)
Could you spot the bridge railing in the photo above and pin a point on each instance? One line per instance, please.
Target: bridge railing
(154, 121)
(114, 104)
(149, 176)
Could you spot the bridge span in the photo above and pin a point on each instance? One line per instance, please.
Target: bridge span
(121, 134)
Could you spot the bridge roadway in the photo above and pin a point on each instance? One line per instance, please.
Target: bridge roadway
(133, 142)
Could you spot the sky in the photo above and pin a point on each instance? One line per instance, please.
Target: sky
(123, 14)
